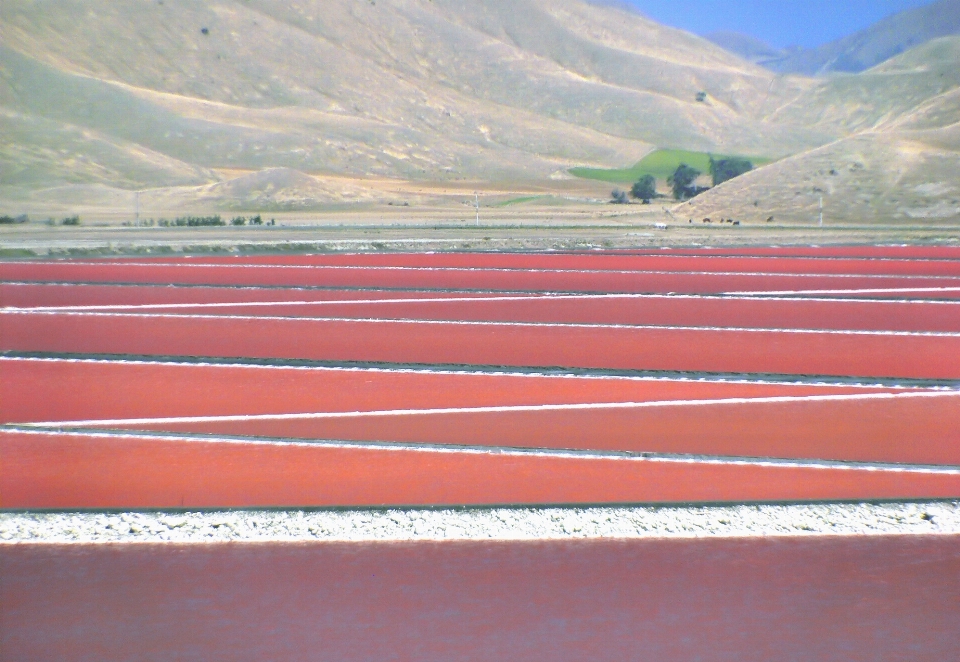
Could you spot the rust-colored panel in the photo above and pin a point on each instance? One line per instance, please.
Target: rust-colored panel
(73, 471)
(851, 599)
(663, 261)
(75, 294)
(648, 311)
(909, 430)
(486, 279)
(699, 350)
(38, 390)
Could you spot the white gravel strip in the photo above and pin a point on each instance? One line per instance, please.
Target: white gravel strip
(922, 518)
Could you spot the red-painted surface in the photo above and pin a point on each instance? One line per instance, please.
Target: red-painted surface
(638, 310)
(702, 350)
(899, 430)
(601, 262)
(507, 280)
(648, 310)
(825, 599)
(850, 599)
(914, 430)
(71, 471)
(73, 294)
(44, 390)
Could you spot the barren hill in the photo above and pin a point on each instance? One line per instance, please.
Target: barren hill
(902, 163)
(411, 88)
(193, 98)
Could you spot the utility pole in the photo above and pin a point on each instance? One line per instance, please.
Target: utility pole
(477, 196)
(821, 211)
(138, 209)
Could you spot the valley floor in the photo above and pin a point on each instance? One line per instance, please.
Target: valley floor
(542, 228)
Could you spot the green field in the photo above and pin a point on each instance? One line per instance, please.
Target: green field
(661, 164)
(518, 201)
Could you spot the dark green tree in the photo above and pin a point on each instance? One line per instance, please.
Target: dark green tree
(726, 169)
(645, 189)
(682, 181)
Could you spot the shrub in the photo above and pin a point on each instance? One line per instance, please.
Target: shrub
(71, 220)
(256, 220)
(618, 197)
(645, 189)
(239, 220)
(192, 221)
(195, 221)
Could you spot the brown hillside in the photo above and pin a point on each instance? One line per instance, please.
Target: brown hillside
(182, 96)
(905, 165)
(410, 88)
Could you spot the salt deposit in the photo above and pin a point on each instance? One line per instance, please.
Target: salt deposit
(938, 518)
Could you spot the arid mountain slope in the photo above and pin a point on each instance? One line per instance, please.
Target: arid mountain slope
(848, 103)
(903, 165)
(259, 104)
(163, 90)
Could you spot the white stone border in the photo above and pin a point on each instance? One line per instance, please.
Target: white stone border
(399, 525)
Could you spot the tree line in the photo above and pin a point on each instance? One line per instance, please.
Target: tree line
(683, 180)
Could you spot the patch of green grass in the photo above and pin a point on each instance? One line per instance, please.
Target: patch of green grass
(661, 164)
(517, 201)
(16, 252)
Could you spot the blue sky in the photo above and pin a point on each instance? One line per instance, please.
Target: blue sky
(778, 22)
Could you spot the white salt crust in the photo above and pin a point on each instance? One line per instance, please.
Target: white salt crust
(491, 524)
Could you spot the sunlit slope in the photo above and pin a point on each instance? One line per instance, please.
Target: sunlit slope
(897, 87)
(906, 166)
(415, 89)
(213, 134)
(876, 177)
(37, 152)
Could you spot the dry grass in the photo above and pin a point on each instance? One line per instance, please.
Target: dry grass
(321, 106)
